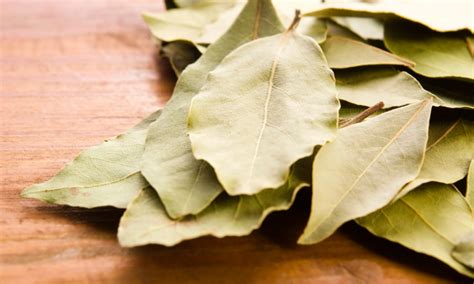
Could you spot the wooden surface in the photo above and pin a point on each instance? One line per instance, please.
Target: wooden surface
(76, 72)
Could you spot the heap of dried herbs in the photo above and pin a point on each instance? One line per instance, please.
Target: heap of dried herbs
(267, 103)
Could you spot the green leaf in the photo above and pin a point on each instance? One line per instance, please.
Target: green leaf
(363, 169)
(436, 55)
(464, 250)
(470, 186)
(146, 221)
(367, 86)
(345, 53)
(449, 151)
(265, 119)
(431, 220)
(103, 175)
(189, 23)
(366, 28)
(185, 184)
(442, 16)
(180, 55)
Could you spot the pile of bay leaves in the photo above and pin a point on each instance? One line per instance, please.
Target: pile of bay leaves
(368, 103)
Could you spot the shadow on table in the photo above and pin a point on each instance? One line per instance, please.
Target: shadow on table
(270, 254)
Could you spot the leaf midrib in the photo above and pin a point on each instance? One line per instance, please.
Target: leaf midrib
(283, 43)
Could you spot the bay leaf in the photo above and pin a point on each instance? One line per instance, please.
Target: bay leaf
(431, 220)
(146, 221)
(464, 250)
(187, 23)
(103, 175)
(449, 151)
(187, 185)
(209, 20)
(470, 186)
(337, 30)
(367, 86)
(180, 55)
(437, 55)
(366, 28)
(345, 53)
(441, 15)
(364, 168)
(264, 119)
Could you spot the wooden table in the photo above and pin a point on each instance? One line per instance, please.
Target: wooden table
(76, 72)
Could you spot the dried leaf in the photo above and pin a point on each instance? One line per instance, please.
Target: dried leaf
(363, 169)
(103, 175)
(186, 185)
(366, 28)
(186, 24)
(436, 55)
(449, 151)
(368, 86)
(252, 126)
(337, 30)
(431, 220)
(345, 53)
(441, 16)
(464, 250)
(203, 22)
(146, 221)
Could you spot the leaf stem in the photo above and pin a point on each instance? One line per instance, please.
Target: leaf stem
(363, 115)
(296, 21)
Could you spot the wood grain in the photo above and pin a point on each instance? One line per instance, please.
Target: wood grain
(74, 73)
